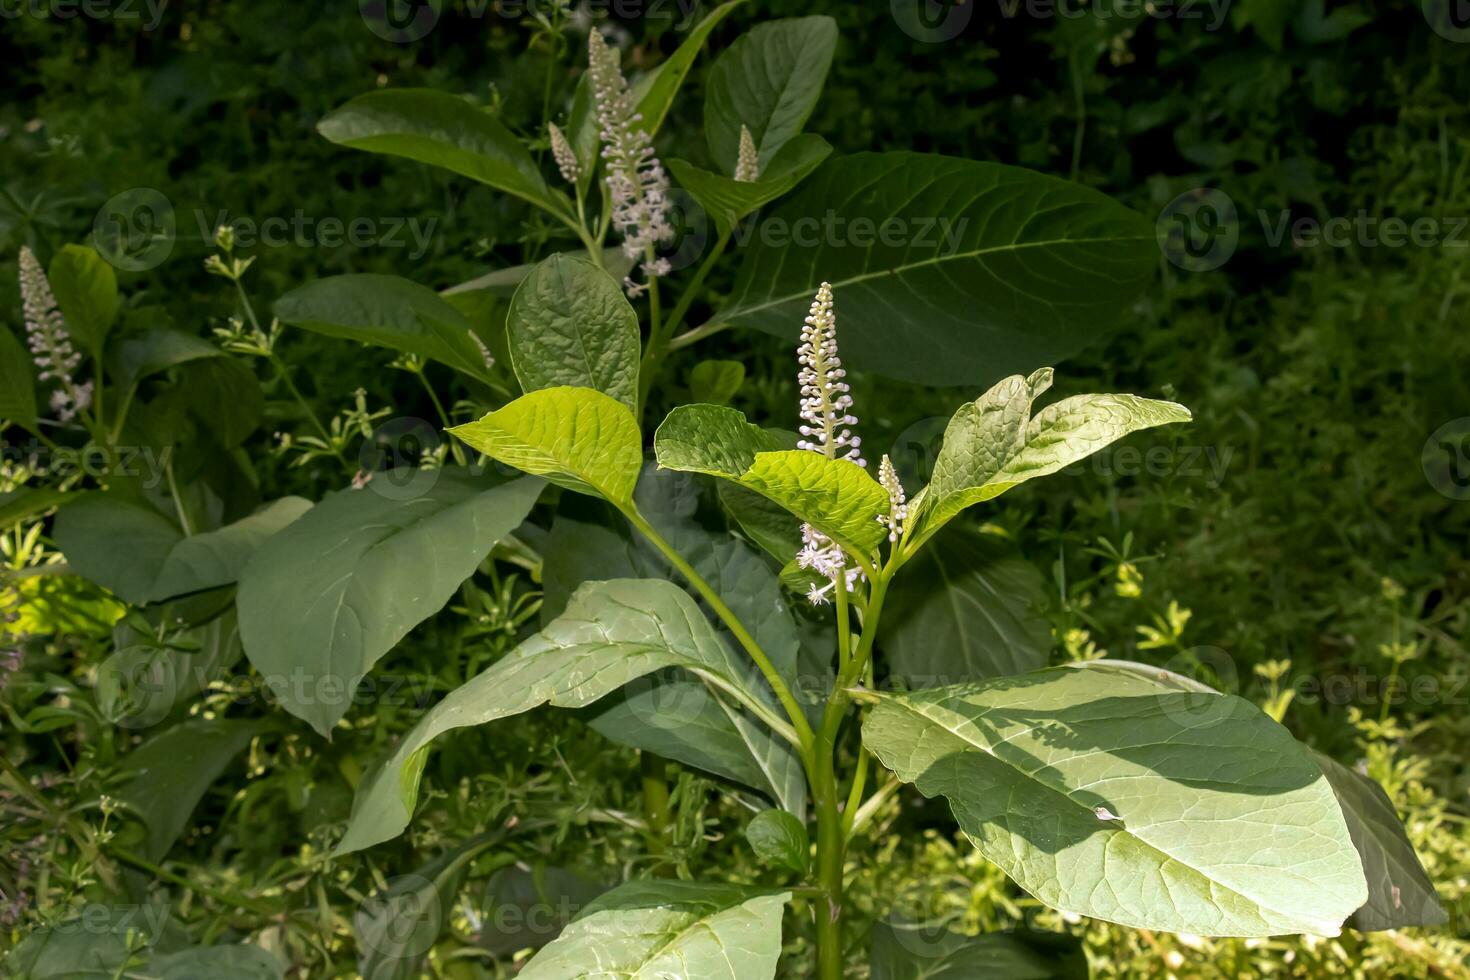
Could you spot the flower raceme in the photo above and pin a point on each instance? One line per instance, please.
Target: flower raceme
(50, 344)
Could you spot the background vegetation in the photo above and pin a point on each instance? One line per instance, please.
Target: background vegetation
(1291, 542)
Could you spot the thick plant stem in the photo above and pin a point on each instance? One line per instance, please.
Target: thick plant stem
(655, 801)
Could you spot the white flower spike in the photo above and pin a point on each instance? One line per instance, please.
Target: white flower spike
(636, 182)
(50, 344)
(747, 165)
(562, 153)
(898, 508)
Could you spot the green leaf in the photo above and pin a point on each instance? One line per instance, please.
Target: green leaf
(655, 91)
(835, 496)
(769, 81)
(764, 521)
(966, 608)
(994, 443)
(577, 438)
(216, 558)
(157, 350)
(903, 951)
(611, 633)
(503, 283)
(17, 382)
(646, 930)
(326, 597)
(145, 679)
(1399, 891)
(26, 502)
(530, 906)
(571, 325)
(387, 311)
(117, 543)
(443, 130)
(727, 200)
(1105, 793)
(945, 271)
(86, 290)
(1268, 17)
(716, 382)
(779, 840)
(231, 962)
(170, 773)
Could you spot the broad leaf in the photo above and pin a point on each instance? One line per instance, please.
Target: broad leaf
(157, 350)
(89, 948)
(779, 840)
(325, 598)
(530, 906)
(727, 201)
(577, 438)
(966, 608)
(835, 496)
(655, 91)
(611, 633)
(946, 271)
(215, 558)
(117, 543)
(716, 382)
(145, 679)
(647, 930)
(1108, 794)
(570, 324)
(443, 130)
(387, 311)
(86, 290)
(26, 502)
(769, 81)
(904, 951)
(994, 443)
(17, 382)
(171, 772)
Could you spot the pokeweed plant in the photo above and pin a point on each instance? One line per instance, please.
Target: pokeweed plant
(1106, 788)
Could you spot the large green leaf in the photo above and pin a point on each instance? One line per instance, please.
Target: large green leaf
(903, 951)
(1103, 792)
(170, 773)
(768, 81)
(443, 130)
(117, 543)
(651, 930)
(577, 438)
(726, 200)
(994, 443)
(90, 947)
(325, 598)
(655, 91)
(570, 324)
(17, 382)
(946, 271)
(611, 633)
(835, 496)
(388, 311)
(85, 285)
(967, 608)
(155, 350)
(215, 558)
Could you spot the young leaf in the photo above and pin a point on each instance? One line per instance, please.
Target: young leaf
(85, 285)
(835, 496)
(387, 311)
(443, 130)
(951, 271)
(611, 633)
(655, 91)
(779, 840)
(727, 201)
(216, 558)
(1108, 794)
(966, 608)
(715, 382)
(769, 81)
(649, 929)
(994, 443)
(325, 598)
(570, 324)
(17, 382)
(917, 952)
(577, 438)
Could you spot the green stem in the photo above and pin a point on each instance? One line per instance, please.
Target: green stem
(228, 898)
(655, 801)
(454, 445)
(691, 292)
(708, 329)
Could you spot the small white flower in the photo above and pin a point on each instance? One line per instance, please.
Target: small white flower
(562, 153)
(898, 508)
(747, 164)
(48, 340)
(1103, 813)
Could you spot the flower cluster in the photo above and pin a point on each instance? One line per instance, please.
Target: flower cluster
(636, 182)
(826, 428)
(50, 344)
(561, 152)
(898, 507)
(747, 164)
